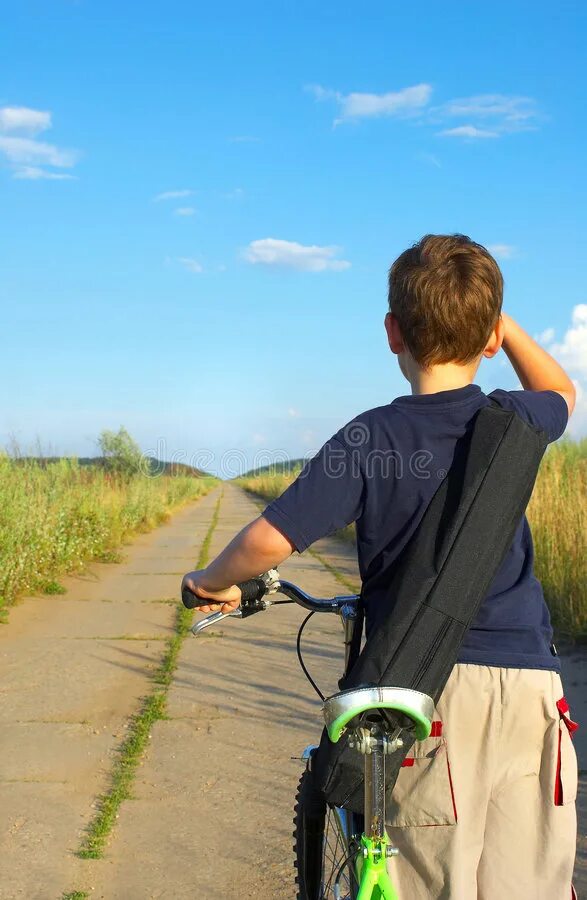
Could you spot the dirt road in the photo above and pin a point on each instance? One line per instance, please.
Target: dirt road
(216, 787)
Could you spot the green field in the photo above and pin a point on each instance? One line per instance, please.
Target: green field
(57, 516)
(558, 516)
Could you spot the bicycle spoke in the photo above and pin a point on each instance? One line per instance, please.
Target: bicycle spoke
(319, 865)
(332, 858)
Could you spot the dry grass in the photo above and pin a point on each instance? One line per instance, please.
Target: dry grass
(55, 518)
(558, 516)
(268, 486)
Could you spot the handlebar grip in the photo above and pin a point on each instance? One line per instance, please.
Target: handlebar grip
(252, 591)
(191, 600)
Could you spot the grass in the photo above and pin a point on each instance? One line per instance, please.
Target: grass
(558, 517)
(55, 518)
(283, 467)
(268, 485)
(152, 709)
(353, 586)
(75, 895)
(52, 587)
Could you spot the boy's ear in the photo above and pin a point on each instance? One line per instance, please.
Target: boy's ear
(394, 336)
(495, 341)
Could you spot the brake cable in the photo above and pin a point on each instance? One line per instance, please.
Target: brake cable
(300, 659)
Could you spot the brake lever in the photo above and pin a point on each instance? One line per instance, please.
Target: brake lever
(212, 619)
(249, 608)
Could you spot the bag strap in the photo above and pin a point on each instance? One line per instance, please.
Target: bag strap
(355, 645)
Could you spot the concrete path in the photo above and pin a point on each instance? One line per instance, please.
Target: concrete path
(72, 671)
(217, 789)
(217, 785)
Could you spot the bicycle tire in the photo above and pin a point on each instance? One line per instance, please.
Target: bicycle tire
(320, 847)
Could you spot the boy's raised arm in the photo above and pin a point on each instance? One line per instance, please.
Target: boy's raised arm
(534, 366)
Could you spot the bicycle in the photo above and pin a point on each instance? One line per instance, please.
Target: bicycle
(339, 854)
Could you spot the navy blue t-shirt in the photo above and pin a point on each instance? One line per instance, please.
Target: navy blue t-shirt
(381, 471)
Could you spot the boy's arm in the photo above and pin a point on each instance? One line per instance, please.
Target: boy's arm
(257, 548)
(535, 368)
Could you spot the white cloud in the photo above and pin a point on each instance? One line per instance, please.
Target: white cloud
(23, 119)
(35, 173)
(173, 195)
(27, 156)
(322, 93)
(357, 105)
(393, 103)
(486, 116)
(244, 139)
(513, 112)
(468, 131)
(27, 151)
(293, 413)
(571, 352)
(545, 337)
(274, 252)
(578, 422)
(184, 211)
(502, 251)
(192, 265)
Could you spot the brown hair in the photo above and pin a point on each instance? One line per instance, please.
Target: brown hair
(446, 293)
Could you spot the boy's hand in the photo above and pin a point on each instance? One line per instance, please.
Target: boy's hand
(535, 368)
(223, 601)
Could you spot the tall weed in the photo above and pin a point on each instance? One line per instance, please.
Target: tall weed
(56, 517)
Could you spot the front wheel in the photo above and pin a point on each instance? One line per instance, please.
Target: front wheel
(325, 847)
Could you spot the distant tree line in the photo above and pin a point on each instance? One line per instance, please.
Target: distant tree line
(120, 455)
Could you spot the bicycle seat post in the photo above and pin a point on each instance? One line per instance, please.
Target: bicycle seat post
(374, 742)
(375, 785)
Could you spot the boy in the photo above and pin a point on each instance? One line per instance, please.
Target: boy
(505, 815)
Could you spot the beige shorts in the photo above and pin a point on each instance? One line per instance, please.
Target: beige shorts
(484, 809)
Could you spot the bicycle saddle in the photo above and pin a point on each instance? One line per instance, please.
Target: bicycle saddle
(339, 709)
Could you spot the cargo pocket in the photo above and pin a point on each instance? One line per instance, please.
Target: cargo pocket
(423, 793)
(566, 776)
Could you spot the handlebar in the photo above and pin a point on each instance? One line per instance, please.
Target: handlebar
(255, 592)
(315, 604)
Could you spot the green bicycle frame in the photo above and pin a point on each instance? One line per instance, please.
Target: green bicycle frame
(374, 882)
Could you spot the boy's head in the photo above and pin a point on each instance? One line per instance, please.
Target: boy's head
(445, 298)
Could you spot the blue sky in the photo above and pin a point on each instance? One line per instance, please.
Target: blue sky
(199, 204)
